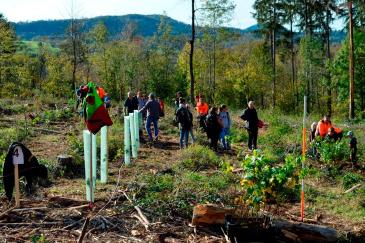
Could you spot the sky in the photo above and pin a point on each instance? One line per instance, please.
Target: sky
(30, 10)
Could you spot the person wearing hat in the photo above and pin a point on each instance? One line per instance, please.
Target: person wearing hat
(153, 114)
(352, 146)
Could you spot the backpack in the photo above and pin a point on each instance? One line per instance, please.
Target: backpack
(184, 117)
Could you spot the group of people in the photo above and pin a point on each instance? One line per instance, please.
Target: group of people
(215, 122)
(325, 130)
(150, 108)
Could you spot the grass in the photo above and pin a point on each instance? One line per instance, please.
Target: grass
(171, 182)
(175, 195)
(33, 47)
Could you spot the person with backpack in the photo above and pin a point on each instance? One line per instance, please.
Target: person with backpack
(184, 118)
(153, 114)
(226, 121)
(252, 120)
(214, 128)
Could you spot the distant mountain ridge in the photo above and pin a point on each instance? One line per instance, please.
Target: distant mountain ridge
(146, 26)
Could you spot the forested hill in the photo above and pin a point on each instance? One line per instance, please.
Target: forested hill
(146, 25)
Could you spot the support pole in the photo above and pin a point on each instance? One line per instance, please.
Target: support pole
(17, 191)
(94, 158)
(127, 142)
(133, 135)
(304, 144)
(104, 155)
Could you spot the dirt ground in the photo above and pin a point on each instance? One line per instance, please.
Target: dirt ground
(58, 213)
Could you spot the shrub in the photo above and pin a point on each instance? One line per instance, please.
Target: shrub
(197, 158)
(267, 182)
(350, 179)
(330, 151)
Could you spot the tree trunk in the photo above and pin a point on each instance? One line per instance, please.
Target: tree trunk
(74, 59)
(191, 59)
(329, 88)
(274, 57)
(292, 62)
(352, 65)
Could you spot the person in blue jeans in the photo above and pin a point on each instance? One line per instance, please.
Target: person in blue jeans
(185, 119)
(226, 121)
(153, 114)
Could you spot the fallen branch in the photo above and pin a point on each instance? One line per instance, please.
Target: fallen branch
(29, 209)
(6, 212)
(82, 235)
(29, 224)
(142, 215)
(141, 220)
(72, 225)
(139, 211)
(353, 188)
(78, 207)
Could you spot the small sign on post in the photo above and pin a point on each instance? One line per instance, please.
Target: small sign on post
(18, 159)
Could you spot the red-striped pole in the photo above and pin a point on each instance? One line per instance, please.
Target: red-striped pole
(304, 149)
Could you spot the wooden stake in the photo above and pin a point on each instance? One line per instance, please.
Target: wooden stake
(17, 191)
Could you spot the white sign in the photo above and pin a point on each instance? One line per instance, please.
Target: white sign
(18, 156)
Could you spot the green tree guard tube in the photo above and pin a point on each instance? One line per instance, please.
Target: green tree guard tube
(104, 155)
(136, 124)
(87, 158)
(133, 135)
(127, 141)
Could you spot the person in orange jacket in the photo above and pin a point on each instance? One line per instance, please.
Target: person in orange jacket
(323, 126)
(202, 109)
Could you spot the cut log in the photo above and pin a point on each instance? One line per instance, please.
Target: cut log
(304, 232)
(209, 214)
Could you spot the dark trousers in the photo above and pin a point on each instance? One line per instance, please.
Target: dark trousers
(252, 138)
(214, 143)
(202, 123)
